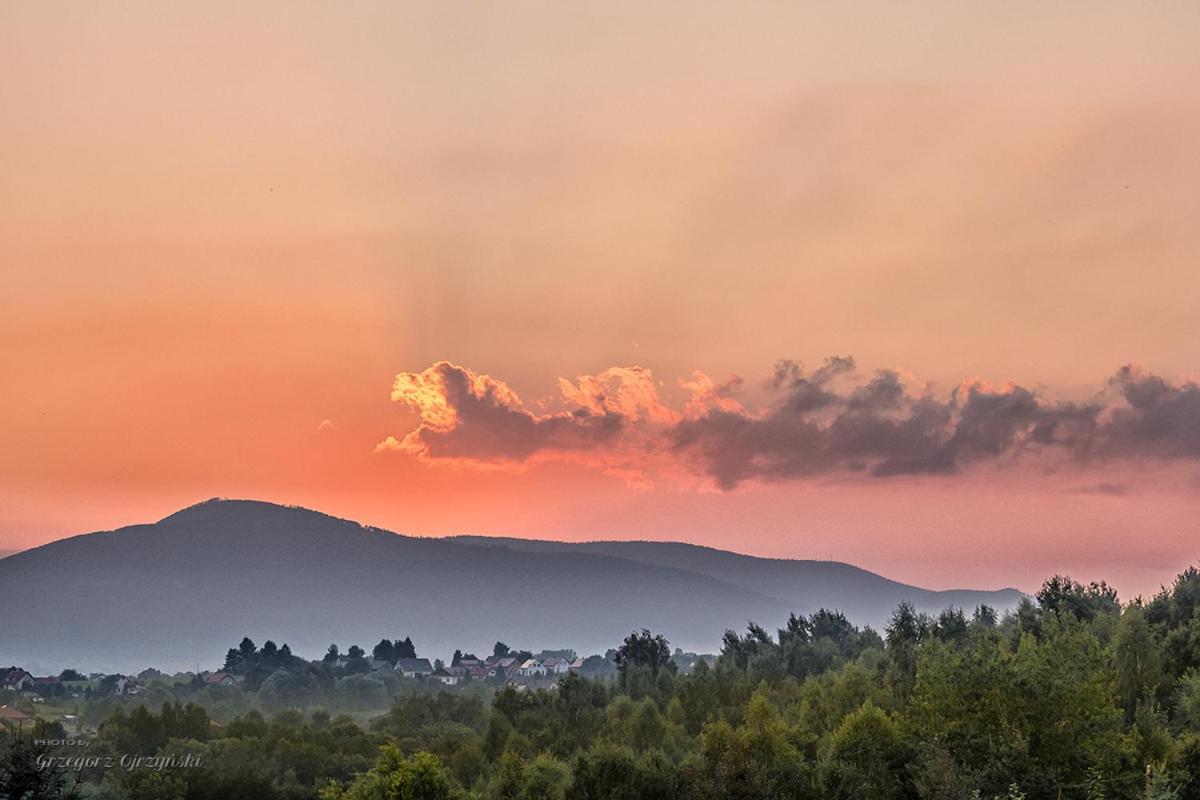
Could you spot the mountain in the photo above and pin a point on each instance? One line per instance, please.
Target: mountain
(803, 586)
(177, 593)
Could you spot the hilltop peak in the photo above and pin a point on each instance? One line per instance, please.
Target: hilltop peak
(222, 508)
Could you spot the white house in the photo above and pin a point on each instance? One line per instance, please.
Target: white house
(446, 677)
(17, 680)
(532, 669)
(414, 667)
(556, 665)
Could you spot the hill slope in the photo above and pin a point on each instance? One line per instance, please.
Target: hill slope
(804, 586)
(177, 593)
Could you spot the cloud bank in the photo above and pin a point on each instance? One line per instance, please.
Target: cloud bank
(825, 422)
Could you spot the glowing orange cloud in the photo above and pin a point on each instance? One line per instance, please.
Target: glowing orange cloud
(822, 423)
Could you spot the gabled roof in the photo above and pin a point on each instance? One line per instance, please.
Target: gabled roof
(414, 665)
(16, 714)
(14, 676)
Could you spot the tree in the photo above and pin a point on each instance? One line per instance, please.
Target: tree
(984, 617)
(645, 649)
(355, 651)
(866, 759)
(1060, 595)
(905, 631)
(28, 772)
(405, 649)
(399, 777)
(385, 651)
(612, 772)
(331, 655)
(1137, 661)
(517, 778)
(951, 625)
(500, 650)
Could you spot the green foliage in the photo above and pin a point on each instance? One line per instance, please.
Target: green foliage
(866, 759)
(1068, 698)
(24, 775)
(398, 777)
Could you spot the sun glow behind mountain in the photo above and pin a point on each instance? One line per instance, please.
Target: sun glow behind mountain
(225, 234)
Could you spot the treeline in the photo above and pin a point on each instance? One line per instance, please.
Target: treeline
(1072, 695)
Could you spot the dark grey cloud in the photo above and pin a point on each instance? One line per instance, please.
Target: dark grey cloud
(879, 428)
(1158, 419)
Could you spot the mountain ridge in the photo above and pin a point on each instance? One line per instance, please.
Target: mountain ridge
(183, 589)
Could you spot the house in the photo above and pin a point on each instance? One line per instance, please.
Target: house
(532, 669)
(509, 664)
(443, 674)
(17, 680)
(414, 667)
(220, 679)
(557, 665)
(378, 664)
(576, 665)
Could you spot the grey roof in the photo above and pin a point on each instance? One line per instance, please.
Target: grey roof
(414, 665)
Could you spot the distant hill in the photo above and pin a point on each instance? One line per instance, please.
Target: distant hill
(802, 585)
(179, 592)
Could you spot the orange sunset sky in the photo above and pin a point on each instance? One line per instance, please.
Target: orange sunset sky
(530, 268)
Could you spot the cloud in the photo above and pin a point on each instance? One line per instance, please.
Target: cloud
(824, 422)
(475, 418)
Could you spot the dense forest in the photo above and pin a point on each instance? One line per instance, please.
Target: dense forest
(1071, 696)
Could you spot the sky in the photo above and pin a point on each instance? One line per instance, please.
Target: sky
(913, 287)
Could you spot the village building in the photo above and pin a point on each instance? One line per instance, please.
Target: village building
(413, 667)
(532, 669)
(220, 679)
(444, 675)
(17, 680)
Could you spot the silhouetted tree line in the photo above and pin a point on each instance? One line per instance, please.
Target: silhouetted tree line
(1071, 695)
